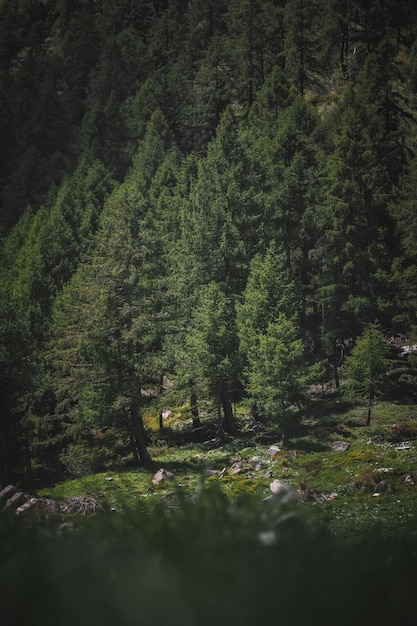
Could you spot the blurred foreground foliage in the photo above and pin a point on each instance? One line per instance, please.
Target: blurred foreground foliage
(202, 561)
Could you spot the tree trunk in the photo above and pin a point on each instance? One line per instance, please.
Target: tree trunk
(161, 389)
(368, 418)
(139, 435)
(228, 414)
(220, 431)
(336, 376)
(194, 411)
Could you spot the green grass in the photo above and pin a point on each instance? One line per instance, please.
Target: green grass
(204, 548)
(340, 485)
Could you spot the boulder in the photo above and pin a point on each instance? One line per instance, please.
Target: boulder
(236, 468)
(273, 451)
(161, 476)
(281, 492)
(256, 463)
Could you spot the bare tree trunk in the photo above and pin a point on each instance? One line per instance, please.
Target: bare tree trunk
(161, 389)
(139, 435)
(194, 411)
(228, 414)
(220, 431)
(368, 418)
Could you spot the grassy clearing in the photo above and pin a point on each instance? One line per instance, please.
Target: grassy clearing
(337, 488)
(204, 548)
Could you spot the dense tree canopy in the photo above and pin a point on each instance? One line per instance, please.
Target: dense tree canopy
(212, 193)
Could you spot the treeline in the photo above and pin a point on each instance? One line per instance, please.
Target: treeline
(199, 201)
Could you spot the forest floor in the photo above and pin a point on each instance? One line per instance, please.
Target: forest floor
(191, 540)
(344, 474)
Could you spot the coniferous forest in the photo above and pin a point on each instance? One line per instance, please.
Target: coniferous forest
(202, 203)
(208, 265)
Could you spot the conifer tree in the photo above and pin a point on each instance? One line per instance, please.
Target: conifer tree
(366, 366)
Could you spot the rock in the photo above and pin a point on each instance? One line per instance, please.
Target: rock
(236, 469)
(408, 480)
(256, 463)
(281, 492)
(339, 446)
(212, 472)
(273, 451)
(403, 446)
(384, 470)
(382, 487)
(15, 500)
(7, 492)
(161, 476)
(26, 506)
(109, 478)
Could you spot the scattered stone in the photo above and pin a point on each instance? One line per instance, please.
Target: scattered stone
(26, 506)
(7, 492)
(212, 472)
(339, 446)
(256, 463)
(408, 480)
(403, 446)
(15, 500)
(267, 474)
(381, 487)
(161, 476)
(273, 451)
(376, 439)
(281, 492)
(109, 478)
(384, 470)
(236, 469)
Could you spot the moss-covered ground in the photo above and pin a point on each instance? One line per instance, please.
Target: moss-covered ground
(204, 548)
(373, 481)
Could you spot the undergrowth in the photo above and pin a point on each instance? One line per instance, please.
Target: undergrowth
(205, 547)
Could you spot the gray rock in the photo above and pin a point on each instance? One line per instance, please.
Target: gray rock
(256, 463)
(281, 493)
(7, 492)
(273, 451)
(162, 475)
(381, 487)
(409, 480)
(26, 506)
(15, 500)
(339, 446)
(236, 469)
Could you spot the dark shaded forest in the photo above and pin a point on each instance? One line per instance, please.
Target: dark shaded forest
(202, 202)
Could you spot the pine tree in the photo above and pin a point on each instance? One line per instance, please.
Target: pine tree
(366, 366)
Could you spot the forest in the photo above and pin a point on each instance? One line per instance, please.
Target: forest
(204, 204)
(208, 312)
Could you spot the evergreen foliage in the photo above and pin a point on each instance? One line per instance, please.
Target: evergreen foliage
(213, 193)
